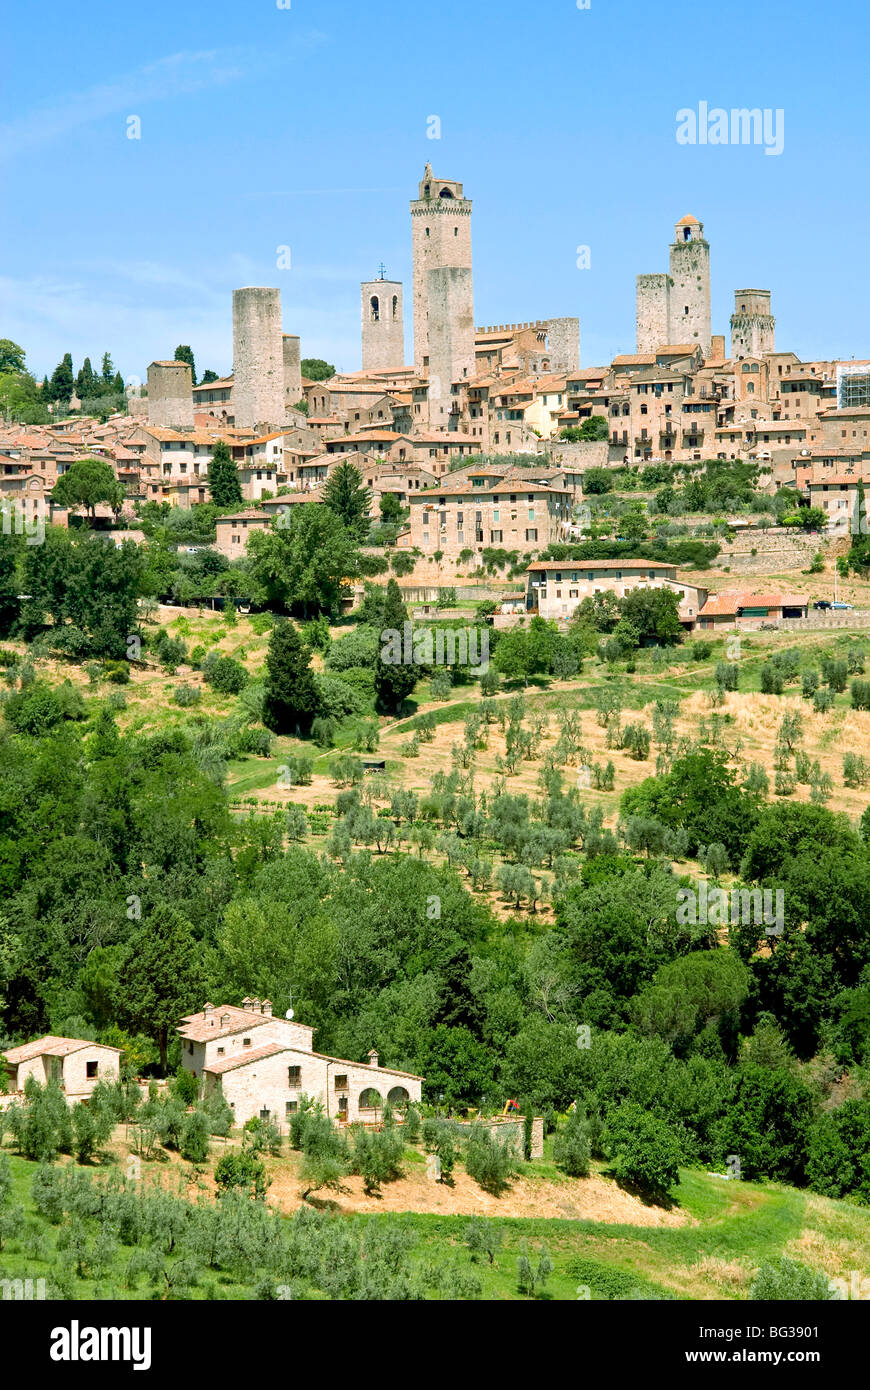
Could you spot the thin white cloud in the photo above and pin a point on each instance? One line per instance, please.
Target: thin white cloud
(178, 74)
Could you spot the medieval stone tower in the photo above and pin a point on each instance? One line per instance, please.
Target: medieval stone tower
(383, 326)
(170, 395)
(292, 370)
(690, 293)
(753, 327)
(675, 308)
(258, 359)
(443, 290)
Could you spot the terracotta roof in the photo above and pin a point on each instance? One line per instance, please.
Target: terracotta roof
(243, 1059)
(251, 514)
(688, 221)
(600, 565)
(635, 359)
(198, 1028)
(51, 1046)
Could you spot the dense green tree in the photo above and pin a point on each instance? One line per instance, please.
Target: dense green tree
(184, 353)
(291, 697)
(60, 386)
(86, 483)
(87, 383)
(11, 356)
(347, 496)
(305, 564)
(315, 369)
(394, 677)
(160, 977)
(223, 478)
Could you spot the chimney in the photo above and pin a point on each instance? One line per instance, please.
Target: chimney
(373, 1058)
(255, 1005)
(247, 1002)
(208, 1010)
(267, 1008)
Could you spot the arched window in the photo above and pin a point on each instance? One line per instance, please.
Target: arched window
(445, 193)
(395, 306)
(376, 309)
(370, 1099)
(399, 1096)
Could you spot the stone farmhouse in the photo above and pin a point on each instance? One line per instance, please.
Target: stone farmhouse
(748, 610)
(264, 1065)
(76, 1064)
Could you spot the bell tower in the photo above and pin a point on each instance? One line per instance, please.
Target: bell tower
(383, 326)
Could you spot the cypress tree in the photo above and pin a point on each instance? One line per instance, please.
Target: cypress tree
(223, 478)
(394, 680)
(346, 496)
(291, 696)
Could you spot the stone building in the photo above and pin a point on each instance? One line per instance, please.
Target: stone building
(264, 1065)
(258, 397)
(170, 395)
(753, 327)
(675, 308)
(383, 325)
(557, 588)
(487, 509)
(77, 1065)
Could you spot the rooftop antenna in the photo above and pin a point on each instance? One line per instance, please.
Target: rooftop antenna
(383, 270)
(289, 1013)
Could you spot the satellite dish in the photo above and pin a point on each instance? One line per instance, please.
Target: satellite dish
(289, 1014)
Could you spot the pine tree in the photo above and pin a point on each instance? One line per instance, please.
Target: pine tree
(223, 478)
(291, 697)
(347, 496)
(394, 680)
(86, 382)
(183, 353)
(60, 386)
(108, 371)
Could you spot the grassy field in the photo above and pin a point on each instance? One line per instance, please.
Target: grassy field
(708, 1246)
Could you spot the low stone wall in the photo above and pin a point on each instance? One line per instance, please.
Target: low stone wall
(510, 1129)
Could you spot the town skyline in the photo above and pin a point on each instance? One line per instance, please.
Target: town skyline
(233, 162)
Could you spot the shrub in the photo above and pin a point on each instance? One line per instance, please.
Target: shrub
(772, 679)
(786, 1281)
(571, 1148)
(239, 1171)
(823, 700)
(860, 691)
(643, 1148)
(491, 1162)
(186, 695)
(225, 675)
(324, 732)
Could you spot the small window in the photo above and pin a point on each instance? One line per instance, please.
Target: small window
(246, 1042)
(221, 1051)
(294, 1077)
(91, 1069)
(290, 1107)
(341, 1083)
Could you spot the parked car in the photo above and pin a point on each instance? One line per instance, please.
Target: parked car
(843, 605)
(823, 603)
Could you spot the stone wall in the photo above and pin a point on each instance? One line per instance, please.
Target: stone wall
(775, 552)
(510, 1130)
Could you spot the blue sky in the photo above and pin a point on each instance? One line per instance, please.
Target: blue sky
(307, 127)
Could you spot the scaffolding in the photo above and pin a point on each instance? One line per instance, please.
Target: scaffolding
(853, 386)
